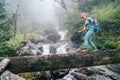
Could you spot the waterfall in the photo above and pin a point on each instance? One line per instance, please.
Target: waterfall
(45, 49)
(60, 49)
(62, 34)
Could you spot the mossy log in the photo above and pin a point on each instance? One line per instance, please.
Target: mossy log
(3, 64)
(62, 61)
(7, 75)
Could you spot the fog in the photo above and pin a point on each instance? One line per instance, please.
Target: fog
(43, 11)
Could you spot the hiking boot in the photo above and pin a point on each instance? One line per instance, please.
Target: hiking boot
(78, 50)
(83, 50)
(95, 50)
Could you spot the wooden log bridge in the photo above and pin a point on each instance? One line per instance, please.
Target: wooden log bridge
(62, 61)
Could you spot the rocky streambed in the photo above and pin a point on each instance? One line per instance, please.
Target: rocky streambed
(46, 47)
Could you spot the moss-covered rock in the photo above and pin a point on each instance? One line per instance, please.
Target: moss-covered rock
(53, 37)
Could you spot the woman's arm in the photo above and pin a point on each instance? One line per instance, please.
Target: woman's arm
(82, 29)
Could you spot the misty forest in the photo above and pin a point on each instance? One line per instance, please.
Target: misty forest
(32, 31)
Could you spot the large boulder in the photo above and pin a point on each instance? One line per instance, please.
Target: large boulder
(77, 38)
(30, 49)
(59, 74)
(37, 38)
(52, 49)
(7, 75)
(95, 73)
(53, 37)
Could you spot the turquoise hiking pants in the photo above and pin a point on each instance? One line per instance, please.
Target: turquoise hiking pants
(88, 39)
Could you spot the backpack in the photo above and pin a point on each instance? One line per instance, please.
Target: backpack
(95, 23)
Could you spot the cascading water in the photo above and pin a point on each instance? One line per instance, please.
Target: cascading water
(43, 11)
(62, 48)
(45, 49)
(62, 34)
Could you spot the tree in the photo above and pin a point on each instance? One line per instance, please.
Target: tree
(62, 3)
(107, 13)
(87, 5)
(4, 23)
(109, 19)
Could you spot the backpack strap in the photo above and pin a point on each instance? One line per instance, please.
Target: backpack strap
(93, 19)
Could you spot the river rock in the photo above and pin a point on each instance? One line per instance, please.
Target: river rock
(77, 38)
(53, 37)
(114, 68)
(24, 51)
(79, 76)
(37, 39)
(96, 73)
(52, 50)
(30, 49)
(34, 48)
(58, 74)
(7, 75)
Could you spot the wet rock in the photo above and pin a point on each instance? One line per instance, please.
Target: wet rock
(52, 50)
(7, 75)
(114, 68)
(37, 39)
(35, 48)
(77, 38)
(115, 77)
(59, 74)
(86, 71)
(24, 51)
(30, 49)
(79, 76)
(53, 37)
(40, 48)
(96, 73)
(97, 78)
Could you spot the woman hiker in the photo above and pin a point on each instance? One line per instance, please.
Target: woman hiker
(89, 28)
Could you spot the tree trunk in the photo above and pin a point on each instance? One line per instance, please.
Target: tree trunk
(62, 61)
(3, 65)
(7, 75)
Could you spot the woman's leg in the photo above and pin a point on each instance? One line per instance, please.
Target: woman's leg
(91, 43)
(86, 38)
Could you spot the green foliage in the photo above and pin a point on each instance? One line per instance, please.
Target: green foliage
(4, 27)
(72, 20)
(10, 47)
(109, 19)
(5, 32)
(43, 75)
(87, 5)
(2, 10)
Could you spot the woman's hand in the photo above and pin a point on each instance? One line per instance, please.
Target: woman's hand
(83, 29)
(80, 31)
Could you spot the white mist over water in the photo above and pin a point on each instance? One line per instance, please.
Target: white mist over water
(45, 49)
(38, 11)
(62, 34)
(61, 49)
(42, 11)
